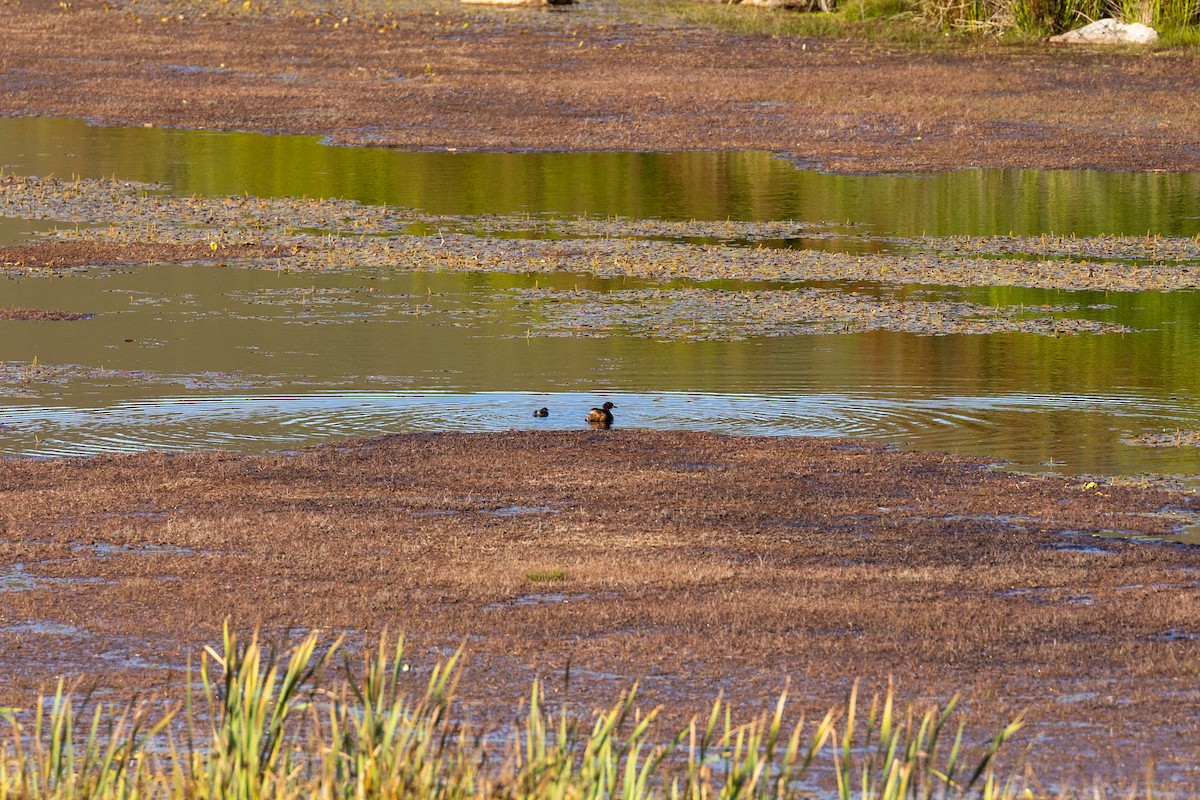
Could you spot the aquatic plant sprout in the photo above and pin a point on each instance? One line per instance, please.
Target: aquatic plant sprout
(265, 727)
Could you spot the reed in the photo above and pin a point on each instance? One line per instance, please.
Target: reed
(262, 727)
(916, 20)
(1046, 17)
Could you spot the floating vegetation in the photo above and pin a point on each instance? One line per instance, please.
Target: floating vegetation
(621, 227)
(20, 378)
(311, 234)
(1178, 438)
(341, 306)
(1140, 248)
(703, 314)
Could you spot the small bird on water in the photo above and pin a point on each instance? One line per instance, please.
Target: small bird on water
(601, 417)
(541, 412)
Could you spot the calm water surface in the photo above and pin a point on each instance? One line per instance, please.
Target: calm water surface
(679, 186)
(180, 357)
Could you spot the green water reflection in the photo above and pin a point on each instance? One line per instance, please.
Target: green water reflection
(690, 185)
(302, 358)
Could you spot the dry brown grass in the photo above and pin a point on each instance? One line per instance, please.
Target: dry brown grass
(479, 79)
(40, 315)
(695, 562)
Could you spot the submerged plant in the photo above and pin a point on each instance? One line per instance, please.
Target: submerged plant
(284, 728)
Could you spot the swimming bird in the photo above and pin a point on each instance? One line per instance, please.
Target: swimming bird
(541, 412)
(601, 417)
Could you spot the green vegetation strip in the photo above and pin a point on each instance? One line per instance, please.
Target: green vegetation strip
(260, 728)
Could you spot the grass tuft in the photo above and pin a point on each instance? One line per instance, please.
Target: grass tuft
(546, 576)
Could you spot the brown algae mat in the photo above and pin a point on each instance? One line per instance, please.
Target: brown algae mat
(695, 563)
(605, 75)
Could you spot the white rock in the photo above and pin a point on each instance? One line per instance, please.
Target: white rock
(518, 2)
(794, 5)
(791, 5)
(1109, 31)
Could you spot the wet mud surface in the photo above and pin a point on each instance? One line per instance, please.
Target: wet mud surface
(437, 75)
(695, 563)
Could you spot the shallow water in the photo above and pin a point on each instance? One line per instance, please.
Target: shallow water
(179, 357)
(263, 422)
(203, 356)
(689, 185)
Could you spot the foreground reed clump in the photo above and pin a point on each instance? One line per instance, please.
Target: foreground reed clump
(258, 727)
(1045, 17)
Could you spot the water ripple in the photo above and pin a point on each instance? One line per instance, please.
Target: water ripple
(251, 423)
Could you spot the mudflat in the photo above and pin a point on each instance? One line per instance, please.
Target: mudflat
(438, 74)
(695, 563)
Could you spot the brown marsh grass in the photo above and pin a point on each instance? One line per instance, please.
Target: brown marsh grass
(437, 75)
(696, 563)
(59, 255)
(40, 315)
